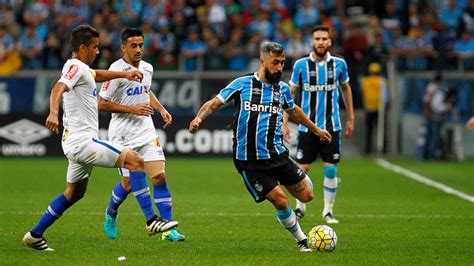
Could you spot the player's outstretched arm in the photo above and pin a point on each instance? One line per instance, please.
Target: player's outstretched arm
(52, 121)
(167, 118)
(347, 96)
(139, 109)
(299, 116)
(105, 75)
(206, 110)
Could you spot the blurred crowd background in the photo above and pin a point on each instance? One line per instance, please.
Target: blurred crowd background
(197, 46)
(198, 35)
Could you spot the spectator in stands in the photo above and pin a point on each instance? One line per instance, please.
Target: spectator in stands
(434, 110)
(235, 51)
(451, 15)
(30, 47)
(164, 44)
(378, 52)
(420, 50)
(296, 48)
(464, 50)
(192, 50)
(306, 15)
(52, 52)
(10, 60)
(467, 18)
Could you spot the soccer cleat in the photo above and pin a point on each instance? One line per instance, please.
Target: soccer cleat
(159, 225)
(36, 243)
(299, 213)
(329, 219)
(110, 226)
(303, 246)
(172, 235)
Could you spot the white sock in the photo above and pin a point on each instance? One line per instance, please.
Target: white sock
(330, 186)
(288, 220)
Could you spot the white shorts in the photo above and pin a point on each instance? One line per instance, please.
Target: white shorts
(94, 152)
(150, 152)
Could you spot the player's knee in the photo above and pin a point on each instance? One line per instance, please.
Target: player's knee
(158, 179)
(306, 196)
(134, 161)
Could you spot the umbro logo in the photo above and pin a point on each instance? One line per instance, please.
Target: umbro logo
(24, 132)
(256, 91)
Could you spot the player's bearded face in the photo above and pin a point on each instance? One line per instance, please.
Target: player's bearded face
(272, 77)
(321, 43)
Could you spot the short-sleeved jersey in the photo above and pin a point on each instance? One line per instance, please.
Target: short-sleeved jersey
(258, 116)
(319, 84)
(125, 128)
(80, 111)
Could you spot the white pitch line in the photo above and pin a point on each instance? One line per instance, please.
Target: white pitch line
(422, 179)
(254, 214)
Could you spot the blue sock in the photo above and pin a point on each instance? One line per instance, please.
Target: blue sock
(54, 211)
(163, 200)
(119, 194)
(142, 193)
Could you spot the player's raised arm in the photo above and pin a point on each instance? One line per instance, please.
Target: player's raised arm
(155, 104)
(52, 121)
(206, 110)
(347, 95)
(105, 75)
(298, 115)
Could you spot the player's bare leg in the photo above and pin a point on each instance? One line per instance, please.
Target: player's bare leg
(287, 218)
(300, 209)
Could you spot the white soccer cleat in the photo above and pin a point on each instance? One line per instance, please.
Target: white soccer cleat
(159, 225)
(329, 219)
(303, 246)
(36, 243)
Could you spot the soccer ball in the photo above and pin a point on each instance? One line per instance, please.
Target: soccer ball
(322, 238)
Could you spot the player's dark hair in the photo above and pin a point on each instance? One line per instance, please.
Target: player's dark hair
(271, 47)
(320, 28)
(82, 34)
(131, 32)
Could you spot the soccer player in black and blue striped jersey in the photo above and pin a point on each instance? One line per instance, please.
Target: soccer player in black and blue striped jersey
(259, 154)
(320, 78)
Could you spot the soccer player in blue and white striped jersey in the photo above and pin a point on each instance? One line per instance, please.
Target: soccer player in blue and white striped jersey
(259, 154)
(320, 78)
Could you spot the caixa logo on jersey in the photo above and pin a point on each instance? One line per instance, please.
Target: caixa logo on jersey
(23, 132)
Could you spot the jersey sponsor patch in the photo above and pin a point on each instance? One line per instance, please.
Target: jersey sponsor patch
(71, 72)
(106, 85)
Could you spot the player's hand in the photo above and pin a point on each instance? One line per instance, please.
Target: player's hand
(194, 125)
(349, 128)
(134, 75)
(142, 109)
(52, 123)
(286, 133)
(167, 118)
(324, 135)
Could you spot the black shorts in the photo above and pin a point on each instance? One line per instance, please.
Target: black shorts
(310, 145)
(262, 176)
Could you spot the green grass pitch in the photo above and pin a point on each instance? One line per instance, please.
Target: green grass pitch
(385, 218)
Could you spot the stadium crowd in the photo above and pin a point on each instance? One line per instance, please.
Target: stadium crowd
(225, 34)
